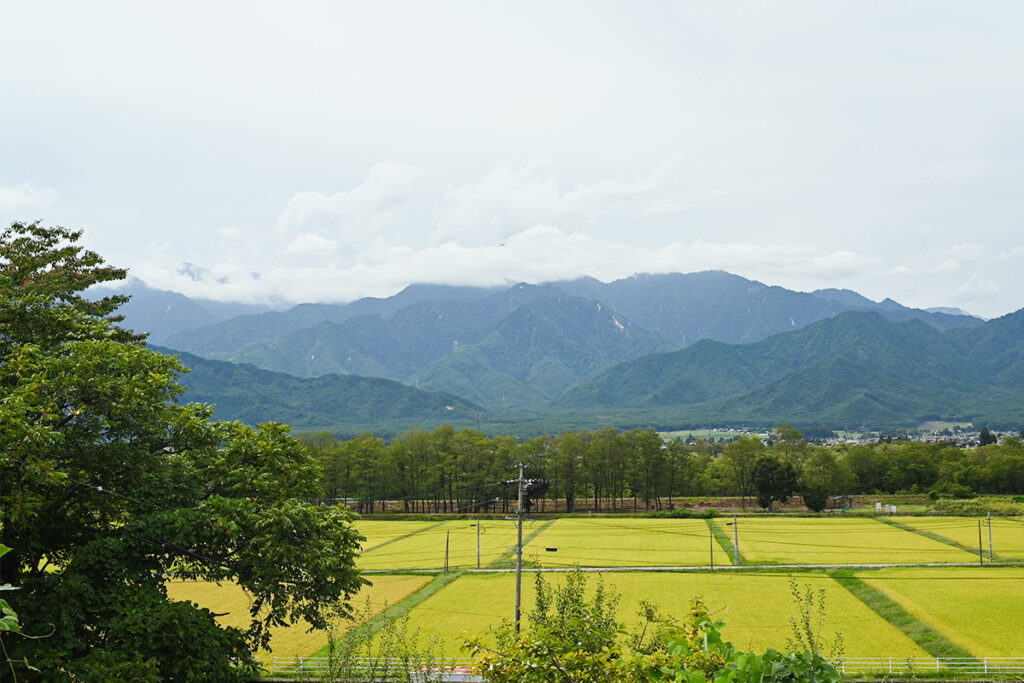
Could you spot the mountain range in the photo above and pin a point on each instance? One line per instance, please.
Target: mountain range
(675, 349)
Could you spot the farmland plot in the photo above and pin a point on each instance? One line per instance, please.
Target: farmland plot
(978, 608)
(424, 546)
(230, 601)
(386, 532)
(1007, 534)
(625, 542)
(756, 607)
(822, 541)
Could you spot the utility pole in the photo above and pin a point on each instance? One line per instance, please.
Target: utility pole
(736, 540)
(478, 544)
(711, 545)
(447, 534)
(990, 537)
(519, 546)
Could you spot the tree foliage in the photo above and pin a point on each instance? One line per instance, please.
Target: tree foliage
(606, 470)
(110, 486)
(774, 480)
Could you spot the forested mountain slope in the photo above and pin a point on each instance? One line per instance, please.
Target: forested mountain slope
(253, 395)
(682, 307)
(852, 369)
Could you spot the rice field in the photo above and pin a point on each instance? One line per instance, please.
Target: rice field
(625, 542)
(756, 607)
(822, 541)
(386, 532)
(423, 547)
(1007, 534)
(980, 609)
(229, 600)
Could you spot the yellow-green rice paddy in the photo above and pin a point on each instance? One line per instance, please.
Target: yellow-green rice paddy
(626, 542)
(231, 605)
(423, 547)
(822, 541)
(977, 608)
(1007, 534)
(756, 607)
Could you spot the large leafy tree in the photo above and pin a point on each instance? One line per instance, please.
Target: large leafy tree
(774, 480)
(109, 486)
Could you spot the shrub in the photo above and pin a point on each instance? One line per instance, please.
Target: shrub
(573, 638)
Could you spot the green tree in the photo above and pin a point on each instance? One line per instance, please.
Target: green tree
(741, 454)
(774, 480)
(110, 486)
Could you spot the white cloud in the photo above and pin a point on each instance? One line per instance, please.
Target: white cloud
(977, 288)
(311, 245)
(539, 253)
(404, 223)
(390, 203)
(25, 196)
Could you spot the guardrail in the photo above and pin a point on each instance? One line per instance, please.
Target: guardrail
(909, 665)
(461, 669)
(444, 670)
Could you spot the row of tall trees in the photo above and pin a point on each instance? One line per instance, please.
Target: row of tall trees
(607, 470)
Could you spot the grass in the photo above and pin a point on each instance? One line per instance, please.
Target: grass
(825, 540)
(625, 542)
(756, 607)
(231, 604)
(924, 634)
(978, 609)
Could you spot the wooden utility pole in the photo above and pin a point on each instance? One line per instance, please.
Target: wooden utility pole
(519, 546)
(736, 540)
(711, 545)
(990, 537)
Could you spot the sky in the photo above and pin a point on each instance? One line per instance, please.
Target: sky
(325, 151)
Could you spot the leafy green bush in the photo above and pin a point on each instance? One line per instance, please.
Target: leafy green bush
(575, 639)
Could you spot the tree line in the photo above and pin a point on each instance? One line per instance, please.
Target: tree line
(607, 470)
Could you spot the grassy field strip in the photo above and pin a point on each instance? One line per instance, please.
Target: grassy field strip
(933, 641)
(509, 555)
(380, 534)
(979, 609)
(230, 601)
(1007, 534)
(425, 549)
(626, 542)
(839, 541)
(725, 541)
(756, 607)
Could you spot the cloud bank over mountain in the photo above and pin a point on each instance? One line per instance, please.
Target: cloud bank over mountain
(325, 151)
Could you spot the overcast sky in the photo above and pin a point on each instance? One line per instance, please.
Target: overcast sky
(323, 151)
